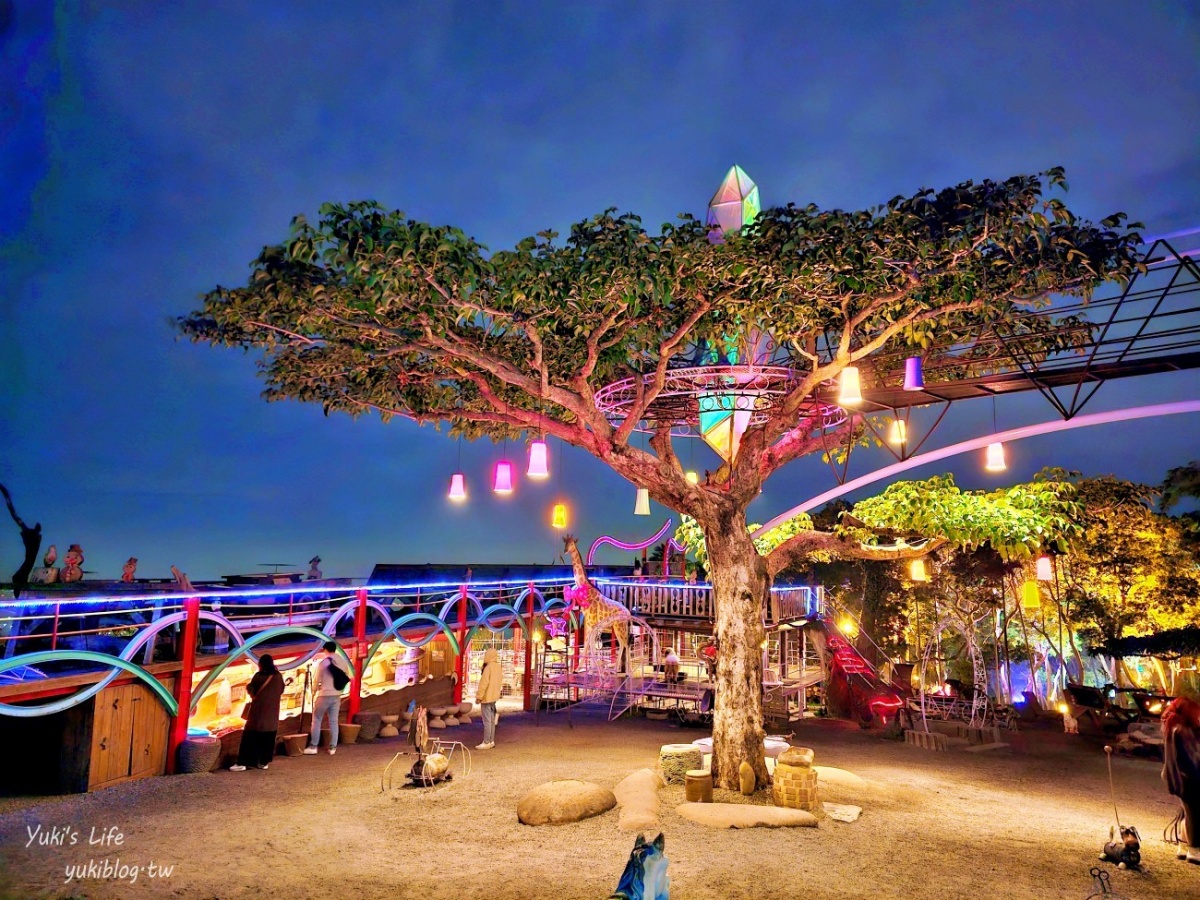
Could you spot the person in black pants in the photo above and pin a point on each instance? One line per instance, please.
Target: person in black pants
(262, 717)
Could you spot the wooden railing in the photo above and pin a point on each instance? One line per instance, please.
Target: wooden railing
(678, 600)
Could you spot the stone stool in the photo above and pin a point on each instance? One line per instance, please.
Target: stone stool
(451, 716)
(371, 722)
(464, 712)
(437, 717)
(795, 784)
(348, 732)
(676, 759)
(697, 786)
(389, 727)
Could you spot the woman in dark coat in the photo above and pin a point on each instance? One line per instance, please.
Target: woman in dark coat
(1181, 770)
(262, 717)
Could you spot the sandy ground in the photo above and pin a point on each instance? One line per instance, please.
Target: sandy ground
(1021, 823)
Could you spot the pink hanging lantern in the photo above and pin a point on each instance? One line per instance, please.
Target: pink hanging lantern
(914, 377)
(502, 480)
(458, 487)
(539, 464)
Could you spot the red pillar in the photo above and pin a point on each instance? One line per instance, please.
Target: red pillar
(183, 687)
(460, 665)
(360, 651)
(528, 699)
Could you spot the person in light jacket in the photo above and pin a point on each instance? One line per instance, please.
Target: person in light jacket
(486, 694)
(327, 699)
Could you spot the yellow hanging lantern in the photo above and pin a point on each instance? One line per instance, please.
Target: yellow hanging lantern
(558, 518)
(1031, 595)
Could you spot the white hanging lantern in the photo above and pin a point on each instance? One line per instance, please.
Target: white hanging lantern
(642, 506)
(850, 393)
(539, 464)
(692, 477)
(995, 458)
(1045, 568)
(899, 433)
(917, 571)
(458, 487)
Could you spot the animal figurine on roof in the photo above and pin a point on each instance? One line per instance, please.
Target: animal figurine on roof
(645, 876)
(1127, 852)
(72, 564)
(128, 569)
(314, 569)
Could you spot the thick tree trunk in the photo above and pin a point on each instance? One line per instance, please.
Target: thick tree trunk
(741, 587)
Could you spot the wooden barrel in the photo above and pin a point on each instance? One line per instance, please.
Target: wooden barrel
(697, 786)
(676, 759)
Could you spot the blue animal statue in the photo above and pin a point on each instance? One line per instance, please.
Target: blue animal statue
(645, 876)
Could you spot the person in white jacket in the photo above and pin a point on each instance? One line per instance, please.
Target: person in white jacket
(486, 694)
(327, 699)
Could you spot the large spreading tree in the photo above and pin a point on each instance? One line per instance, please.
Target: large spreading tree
(368, 311)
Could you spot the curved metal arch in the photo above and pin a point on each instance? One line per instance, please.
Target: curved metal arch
(450, 602)
(978, 666)
(393, 630)
(262, 636)
(625, 545)
(1013, 434)
(64, 703)
(512, 617)
(538, 596)
(332, 622)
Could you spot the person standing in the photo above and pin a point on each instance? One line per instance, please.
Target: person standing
(671, 666)
(327, 699)
(1181, 771)
(262, 717)
(486, 694)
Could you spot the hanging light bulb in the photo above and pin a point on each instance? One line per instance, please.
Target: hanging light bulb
(1031, 595)
(914, 377)
(558, 519)
(692, 477)
(850, 393)
(917, 571)
(642, 506)
(1045, 568)
(539, 465)
(502, 481)
(899, 432)
(458, 487)
(995, 458)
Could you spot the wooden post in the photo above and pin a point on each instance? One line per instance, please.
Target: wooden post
(360, 650)
(183, 687)
(528, 680)
(460, 665)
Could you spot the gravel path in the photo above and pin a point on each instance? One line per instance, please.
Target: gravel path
(1021, 823)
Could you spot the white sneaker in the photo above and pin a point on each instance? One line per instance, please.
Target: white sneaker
(237, 768)
(332, 750)
(1181, 850)
(485, 746)
(264, 768)
(310, 751)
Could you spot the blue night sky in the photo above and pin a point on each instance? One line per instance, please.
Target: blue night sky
(150, 150)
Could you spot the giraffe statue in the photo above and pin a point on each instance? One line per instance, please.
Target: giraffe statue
(599, 612)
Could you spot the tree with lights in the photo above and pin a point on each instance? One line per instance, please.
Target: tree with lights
(737, 328)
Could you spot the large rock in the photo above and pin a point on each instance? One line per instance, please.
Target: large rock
(745, 815)
(560, 802)
(637, 795)
(840, 777)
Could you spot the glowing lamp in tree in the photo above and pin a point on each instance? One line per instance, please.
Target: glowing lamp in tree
(1031, 595)
(899, 432)
(917, 571)
(502, 480)
(847, 626)
(692, 477)
(458, 487)
(558, 518)
(641, 506)
(995, 458)
(914, 377)
(1045, 568)
(539, 465)
(850, 387)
